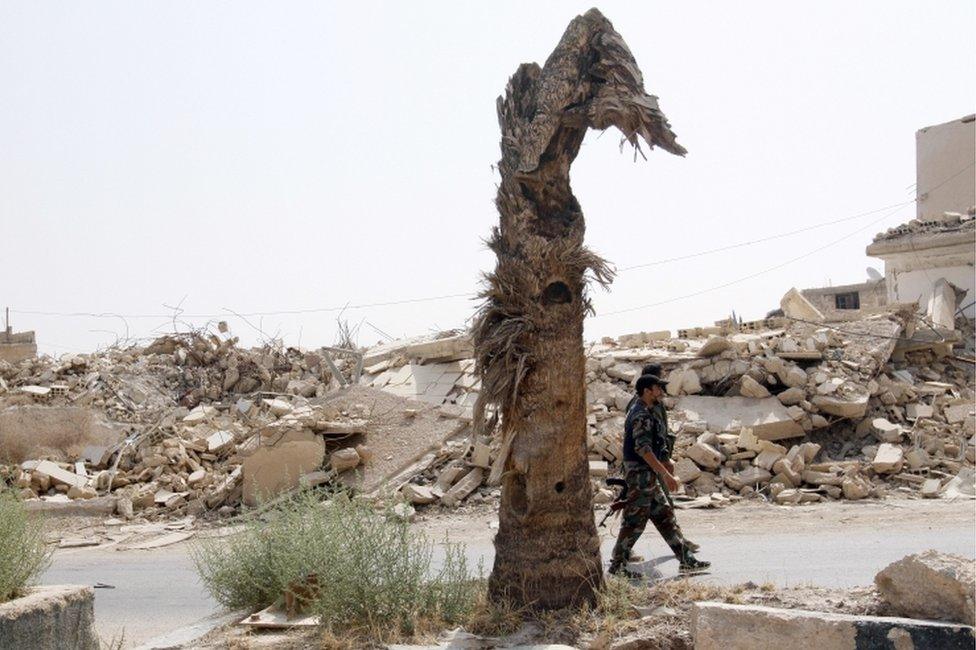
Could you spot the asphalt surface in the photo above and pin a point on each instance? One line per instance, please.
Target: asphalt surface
(156, 592)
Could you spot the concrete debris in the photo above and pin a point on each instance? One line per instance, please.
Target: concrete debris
(717, 626)
(930, 585)
(786, 410)
(795, 305)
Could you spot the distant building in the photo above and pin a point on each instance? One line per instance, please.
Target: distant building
(836, 301)
(16, 346)
(941, 242)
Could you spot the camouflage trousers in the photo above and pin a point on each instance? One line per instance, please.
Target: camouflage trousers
(646, 500)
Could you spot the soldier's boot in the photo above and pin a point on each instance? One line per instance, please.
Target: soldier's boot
(687, 562)
(691, 564)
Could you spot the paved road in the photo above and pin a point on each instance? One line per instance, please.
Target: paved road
(157, 591)
(154, 591)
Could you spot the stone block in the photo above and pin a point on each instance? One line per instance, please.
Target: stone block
(888, 459)
(418, 494)
(714, 345)
(721, 626)
(343, 460)
(749, 387)
(792, 396)
(885, 431)
(50, 617)
(930, 585)
(845, 407)
(704, 455)
(686, 471)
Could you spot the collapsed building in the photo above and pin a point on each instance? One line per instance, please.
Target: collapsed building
(783, 409)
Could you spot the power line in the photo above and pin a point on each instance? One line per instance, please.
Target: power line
(763, 239)
(470, 295)
(747, 277)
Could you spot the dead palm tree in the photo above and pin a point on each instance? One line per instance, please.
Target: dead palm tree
(529, 331)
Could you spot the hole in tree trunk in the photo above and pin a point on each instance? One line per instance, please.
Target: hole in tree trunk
(557, 293)
(560, 486)
(520, 503)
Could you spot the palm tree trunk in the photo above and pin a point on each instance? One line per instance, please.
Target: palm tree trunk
(529, 331)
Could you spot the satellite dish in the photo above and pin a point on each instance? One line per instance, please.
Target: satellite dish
(873, 274)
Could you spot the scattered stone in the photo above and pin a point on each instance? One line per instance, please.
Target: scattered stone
(930, 585)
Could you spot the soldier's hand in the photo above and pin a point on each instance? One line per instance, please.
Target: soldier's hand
(671, 482)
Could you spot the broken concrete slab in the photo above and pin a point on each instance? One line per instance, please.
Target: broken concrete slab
(749, 387)
(278, 464)
(930, 585)
(768, 418)
(464, 487)
(50, 617)
(846, 407)
(720, 626)
(451, 347)
(61, 506)
(60, 475)
(888, 459)
(686, 471)
(714, 345)
(418, 494)
(795, 305)
(342, 460)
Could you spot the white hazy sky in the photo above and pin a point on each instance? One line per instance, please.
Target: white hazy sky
(261, 157)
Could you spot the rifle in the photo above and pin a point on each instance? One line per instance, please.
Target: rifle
(619, 502)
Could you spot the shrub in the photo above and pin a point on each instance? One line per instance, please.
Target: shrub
(23, 553)
(375, 576)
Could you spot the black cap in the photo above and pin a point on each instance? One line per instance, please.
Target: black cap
(646, 381)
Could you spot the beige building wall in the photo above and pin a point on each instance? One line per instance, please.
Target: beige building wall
(944, 165)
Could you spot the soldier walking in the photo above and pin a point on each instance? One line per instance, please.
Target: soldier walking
(645, 445)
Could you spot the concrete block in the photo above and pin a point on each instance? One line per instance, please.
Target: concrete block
(720, 626)
(930, 585)
(50, 617)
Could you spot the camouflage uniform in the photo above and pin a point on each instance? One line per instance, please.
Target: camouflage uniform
(645, 431)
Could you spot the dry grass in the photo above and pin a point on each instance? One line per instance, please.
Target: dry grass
(23, 554)
(376, 578)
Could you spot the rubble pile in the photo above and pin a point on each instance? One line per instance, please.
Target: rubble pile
(800, 411)
(187, 413)
(784, 409)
